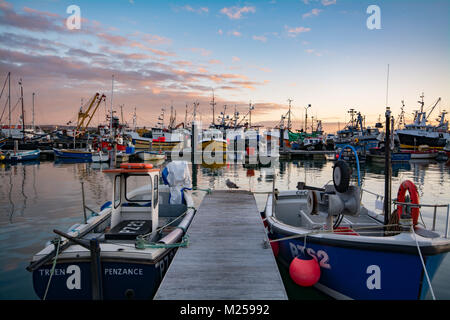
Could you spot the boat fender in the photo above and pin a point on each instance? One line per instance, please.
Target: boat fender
(106, 205)
(409, 186)
(304, 270)
(341, 176)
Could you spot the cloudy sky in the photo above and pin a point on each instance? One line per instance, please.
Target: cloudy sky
(163, 53)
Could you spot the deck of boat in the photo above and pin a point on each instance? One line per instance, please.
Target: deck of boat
(225, 259)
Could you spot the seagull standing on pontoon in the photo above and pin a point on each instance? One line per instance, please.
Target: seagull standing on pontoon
(231, 185)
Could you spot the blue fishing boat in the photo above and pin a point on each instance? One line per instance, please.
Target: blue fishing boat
(356, 134)
(22, 155)
(124, 250)
(73, 153)
(327, 238)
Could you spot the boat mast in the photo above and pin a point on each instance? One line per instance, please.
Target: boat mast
(213, 104)
(289, 115)
(23, 113)
(9, 103)
(387, 161)
(111, 110)
(33, 113)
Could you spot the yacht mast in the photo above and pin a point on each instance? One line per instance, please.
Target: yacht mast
(9, 102)
(23, 113)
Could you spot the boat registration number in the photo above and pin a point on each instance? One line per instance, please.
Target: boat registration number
(320, 256)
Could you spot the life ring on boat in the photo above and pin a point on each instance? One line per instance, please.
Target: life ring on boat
(356, 140)
(136, 166)
(409, 186)
(341, 176)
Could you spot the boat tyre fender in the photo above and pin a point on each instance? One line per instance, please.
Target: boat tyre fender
(409, 186)
(341, 176)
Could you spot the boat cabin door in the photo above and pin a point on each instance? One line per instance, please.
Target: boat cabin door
(135, 203)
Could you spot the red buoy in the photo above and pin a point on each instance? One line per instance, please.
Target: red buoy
(304, 271)
(275, 248)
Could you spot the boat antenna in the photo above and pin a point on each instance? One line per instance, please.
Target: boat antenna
(387, 160)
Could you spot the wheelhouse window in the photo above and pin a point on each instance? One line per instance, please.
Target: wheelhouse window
(117, 191)
(138, 188)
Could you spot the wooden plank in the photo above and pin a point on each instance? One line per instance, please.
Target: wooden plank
(225, 259)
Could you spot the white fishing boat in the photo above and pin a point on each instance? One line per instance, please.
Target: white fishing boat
(151, 155)
(100, 156)
(123, 250)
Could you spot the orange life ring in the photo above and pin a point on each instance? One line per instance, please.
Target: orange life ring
(409, 186)
(136, 166)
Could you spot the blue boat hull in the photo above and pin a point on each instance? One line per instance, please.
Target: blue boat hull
(72, 155)
(359, 147)
(121, 279)
(364, 274)
(24, 156)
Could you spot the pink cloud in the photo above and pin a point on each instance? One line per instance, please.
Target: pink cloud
(236, 12)
(293, 32)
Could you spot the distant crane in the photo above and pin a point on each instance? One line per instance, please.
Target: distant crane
(85, 117)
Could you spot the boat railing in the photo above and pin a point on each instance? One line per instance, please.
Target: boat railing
(408, 205)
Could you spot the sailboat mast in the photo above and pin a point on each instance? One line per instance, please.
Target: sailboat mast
(33, 111)
(9, 103)
(23, 112)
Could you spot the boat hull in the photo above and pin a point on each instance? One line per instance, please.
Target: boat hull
(72, 154)
(362, 273)
(23, 156)
(147, 156)
(411, 141)
(71, 280)
(214, 146)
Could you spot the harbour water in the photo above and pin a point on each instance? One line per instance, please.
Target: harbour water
(37, 197)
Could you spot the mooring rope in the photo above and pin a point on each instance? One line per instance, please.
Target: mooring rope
(333, 231)
(423, 264)
(53, 268)
(142, 244)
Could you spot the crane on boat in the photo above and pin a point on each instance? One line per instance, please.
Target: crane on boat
(85, 117)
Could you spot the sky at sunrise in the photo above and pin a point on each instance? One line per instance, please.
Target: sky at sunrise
(163, 53)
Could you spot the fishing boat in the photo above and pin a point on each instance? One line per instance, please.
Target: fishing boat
(150, 155)
(420, 133)
(100, 156)
(313, 143)
(213, 141)
(21, 155)
(73, 153)
(2, 142)
(356, 134)
(327, 238)
(124, 250)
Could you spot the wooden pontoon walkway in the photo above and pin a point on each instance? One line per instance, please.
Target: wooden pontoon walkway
(225, 258)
